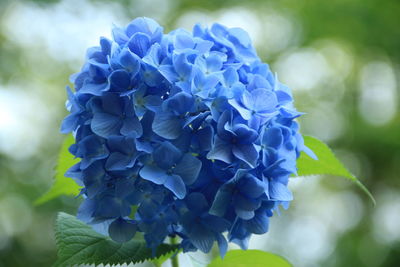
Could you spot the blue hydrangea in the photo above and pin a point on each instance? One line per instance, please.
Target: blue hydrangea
(182, 134)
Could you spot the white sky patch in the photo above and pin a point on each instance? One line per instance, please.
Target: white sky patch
(303, 69)
(190, 18)
(338, 56)
(163, 9)
(17, 214)
(277, 32)
(325, 121)
(64, 30)
(378, 96)
(23, 118)
(386, 217)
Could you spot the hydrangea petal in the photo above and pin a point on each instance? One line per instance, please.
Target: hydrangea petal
(131, 127)
(191, 128)
(278, 191)
(167, 125)
(105, 125)
(247, 153)
(153, 174)
(176, 185)
(221, 151)
(258, 224)
(202, 238)
(139, 43)
(122, 230)
(222, 201)
(188, 169)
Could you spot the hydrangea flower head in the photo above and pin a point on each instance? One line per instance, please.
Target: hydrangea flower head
(185, 133)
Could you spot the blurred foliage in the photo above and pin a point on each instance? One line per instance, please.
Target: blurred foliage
(367, 28)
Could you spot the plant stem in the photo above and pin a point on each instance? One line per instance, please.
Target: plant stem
(174, 259)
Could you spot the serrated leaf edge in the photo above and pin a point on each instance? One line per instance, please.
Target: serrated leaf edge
(59, 241)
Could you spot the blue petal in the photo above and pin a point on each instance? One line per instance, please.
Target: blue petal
(179, 103)
(247, 153)
(216, 224)
(221, 151)
(188, 169)
(93, 178)
(252, 187)
(169, 73)
(166, 155)
(90, 149)
(244, 112)
(105, 45)
(125, 187)
(139, 43)
(93, 88)
(111, 207)
(152, 77)
(118, 162)
(279, 191)
(183, 41)
(196, 202)
(130, 62)
(122, 144)
(120, 80)
(223, 125)
(153, 174)
(202, 238)
(214, 62)
(148, 210)
(112, 103)
(244, 214)
(153, 57)
(242, 202)
(222, 200)
(257, 81)
(205, 138)
(105, 125)
(153, 102)
(241, 36)
(119, 35)
(244, 134)
(70, 123)
(143, 25)
(122, 230)
(75, 173)
(144, 146)
(273, 137)
(238, 234)
(176, 185)
(260, 100)
(222, 245)
(86, 210)
(230, 77)
(258, 224)
(182, 66)
(167, 125)
(132, 127)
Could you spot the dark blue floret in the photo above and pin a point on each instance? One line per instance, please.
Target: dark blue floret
(181, 134)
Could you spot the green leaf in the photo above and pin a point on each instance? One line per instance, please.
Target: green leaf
(78, 244)
(327, 163)
(246, 258)
(159, 261)
(62, 185)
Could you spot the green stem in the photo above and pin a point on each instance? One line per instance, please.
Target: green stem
(174, 259)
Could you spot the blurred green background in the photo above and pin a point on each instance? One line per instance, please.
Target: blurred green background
(341, 58)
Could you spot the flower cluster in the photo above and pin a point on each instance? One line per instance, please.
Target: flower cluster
(186, 134)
